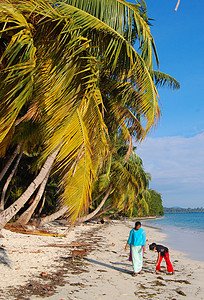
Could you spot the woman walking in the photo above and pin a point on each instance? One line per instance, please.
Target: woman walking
(137, 242)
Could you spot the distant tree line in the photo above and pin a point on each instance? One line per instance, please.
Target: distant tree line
(178, 210)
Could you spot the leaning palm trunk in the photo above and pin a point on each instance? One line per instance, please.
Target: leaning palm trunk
(103, 211)
(5, 169)
(3, 194)
(7, 214)
(26, 216)
(129, 150)
(42, 205)
(93, 213)
(53, 216)
(116, 212)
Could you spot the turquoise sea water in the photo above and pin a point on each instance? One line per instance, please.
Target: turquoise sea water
(185, 232)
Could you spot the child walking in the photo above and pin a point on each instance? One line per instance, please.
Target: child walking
(163, 252)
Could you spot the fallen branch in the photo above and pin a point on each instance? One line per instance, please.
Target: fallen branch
(74, 244)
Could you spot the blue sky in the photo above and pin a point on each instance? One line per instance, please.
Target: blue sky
(173, 153)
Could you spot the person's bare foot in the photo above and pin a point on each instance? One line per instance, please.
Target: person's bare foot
(141, 272)
(134, 274)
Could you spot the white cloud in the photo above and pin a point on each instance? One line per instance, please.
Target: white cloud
(176, 165)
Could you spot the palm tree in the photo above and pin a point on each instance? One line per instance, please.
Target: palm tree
(55, 57)
(121, 185)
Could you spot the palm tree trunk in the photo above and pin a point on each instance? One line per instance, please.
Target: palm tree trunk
(25, 217)
(116, 212)
(93, 213)
(6, 167)
(7, 214)
(3, 194)
(103, 211)
(42, 205)
(129, 150)
(53, 216)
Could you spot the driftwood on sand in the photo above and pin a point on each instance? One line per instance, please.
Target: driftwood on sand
(73, 244)
(30, 229)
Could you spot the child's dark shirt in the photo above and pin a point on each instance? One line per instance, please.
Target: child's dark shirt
(162, 249)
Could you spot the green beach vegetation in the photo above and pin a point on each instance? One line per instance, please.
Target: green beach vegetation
(77, 87)
(180, 210)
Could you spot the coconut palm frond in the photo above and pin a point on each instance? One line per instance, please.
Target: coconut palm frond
(121, 102)
(97, 130)
(63, 81)
(134, 95)
(162, 79)
(6, 141)
(127, 122)
(112, 45)
(83, 146)
(165, 80)
(148, 106)
(114, 48)
(123, 175)
(126, 18)
(18, 61)
(119, 15)
(144, 204)
(75, 163)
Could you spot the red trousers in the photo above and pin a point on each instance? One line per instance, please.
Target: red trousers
(168, 263)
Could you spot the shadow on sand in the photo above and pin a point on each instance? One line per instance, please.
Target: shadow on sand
(109, 266)
(4, 258)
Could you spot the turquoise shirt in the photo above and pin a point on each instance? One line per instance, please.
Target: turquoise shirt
(137, 237)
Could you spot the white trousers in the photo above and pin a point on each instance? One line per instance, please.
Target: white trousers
(137, 258)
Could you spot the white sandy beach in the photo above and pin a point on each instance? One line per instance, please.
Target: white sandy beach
(105, 272)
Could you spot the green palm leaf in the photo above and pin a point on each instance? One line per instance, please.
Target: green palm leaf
(162, 79)
(18, 62)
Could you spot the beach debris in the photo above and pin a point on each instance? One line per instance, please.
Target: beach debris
(73, 244)
(32, 230)
(46, 286)
(179, 281)
(43, 274)
(159, 283)
(180, 292)
(143, 286)
(25, 251)
(112, 244)
(77, 284)
(161, 278)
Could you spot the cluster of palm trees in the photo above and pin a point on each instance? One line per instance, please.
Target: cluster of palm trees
(77, 86)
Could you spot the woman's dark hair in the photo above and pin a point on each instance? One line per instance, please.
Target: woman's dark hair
(152, 246)
(137, 224)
